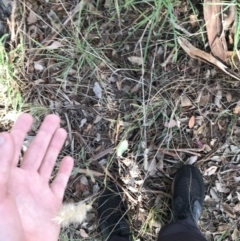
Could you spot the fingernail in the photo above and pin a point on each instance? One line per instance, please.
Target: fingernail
(2, 140)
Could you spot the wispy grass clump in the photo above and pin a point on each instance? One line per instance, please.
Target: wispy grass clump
(11, 101)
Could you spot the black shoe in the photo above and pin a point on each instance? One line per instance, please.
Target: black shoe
(188, 193)
(112, 213)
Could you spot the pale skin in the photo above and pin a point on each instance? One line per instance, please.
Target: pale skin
(28, 203)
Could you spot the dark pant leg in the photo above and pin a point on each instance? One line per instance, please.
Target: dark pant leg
(117, 238)
(181, 230)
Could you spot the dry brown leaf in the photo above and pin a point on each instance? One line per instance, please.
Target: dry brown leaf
(236, 110)
(210, 171)
(204, 100)
(229, 97)
(38, 66)
(220, 127)
(135, 89)
(185, 101)
(94, 10)
(55, 45)
(200, 130)
(212, 142)
(84, 180)
(152, 167)
(83, 233)
(222, 227)
(97, 90)
(192, 160)
(170, 124)
(237, 208)
(217, 99)
(136, 60)
(97, 119)
(228, 210)
(191, 122)
(205, 57)
(214, 195)
(235, 235)
(32, 17)
(221, 188)
(238, 195)
(236, 179)
(216, 38)
(89, 172)
(193, 20)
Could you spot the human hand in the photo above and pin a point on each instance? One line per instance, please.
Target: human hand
(10, 222)
(37, 202)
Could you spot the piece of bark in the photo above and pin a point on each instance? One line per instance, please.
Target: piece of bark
(215, 30)
(205, 57)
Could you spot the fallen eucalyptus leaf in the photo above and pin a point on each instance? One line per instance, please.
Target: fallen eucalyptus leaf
(218, 98)
(210, 171)
(191, 160)
(83, 233)
(170, 124)
(55, 45)
(228, 210)
(32, 17)
(191, 122)
(221, 188)
(84, 180)
(38, 66)
(185, 101)
(136, 60)
(122, 147)
(97, 90)
(236, 110)
(235, 235)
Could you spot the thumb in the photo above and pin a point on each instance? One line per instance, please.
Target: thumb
(6, 158)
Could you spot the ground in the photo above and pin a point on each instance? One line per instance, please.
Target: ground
(135, 103)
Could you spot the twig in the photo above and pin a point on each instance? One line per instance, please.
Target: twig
(69, 127)
(159, 192)
(164, 64)
(12, 28)
(182, 29)
(101, 154)
(209, 155)
(117, 128)
(169, 151)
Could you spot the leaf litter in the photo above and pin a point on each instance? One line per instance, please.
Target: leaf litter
(117, 85)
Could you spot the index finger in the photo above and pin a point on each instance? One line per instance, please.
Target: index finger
(34, 155)
(18, 133)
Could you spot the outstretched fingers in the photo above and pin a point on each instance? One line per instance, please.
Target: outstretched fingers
(6, 158)
(51, 155)
(34, 155)
(60, 182)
